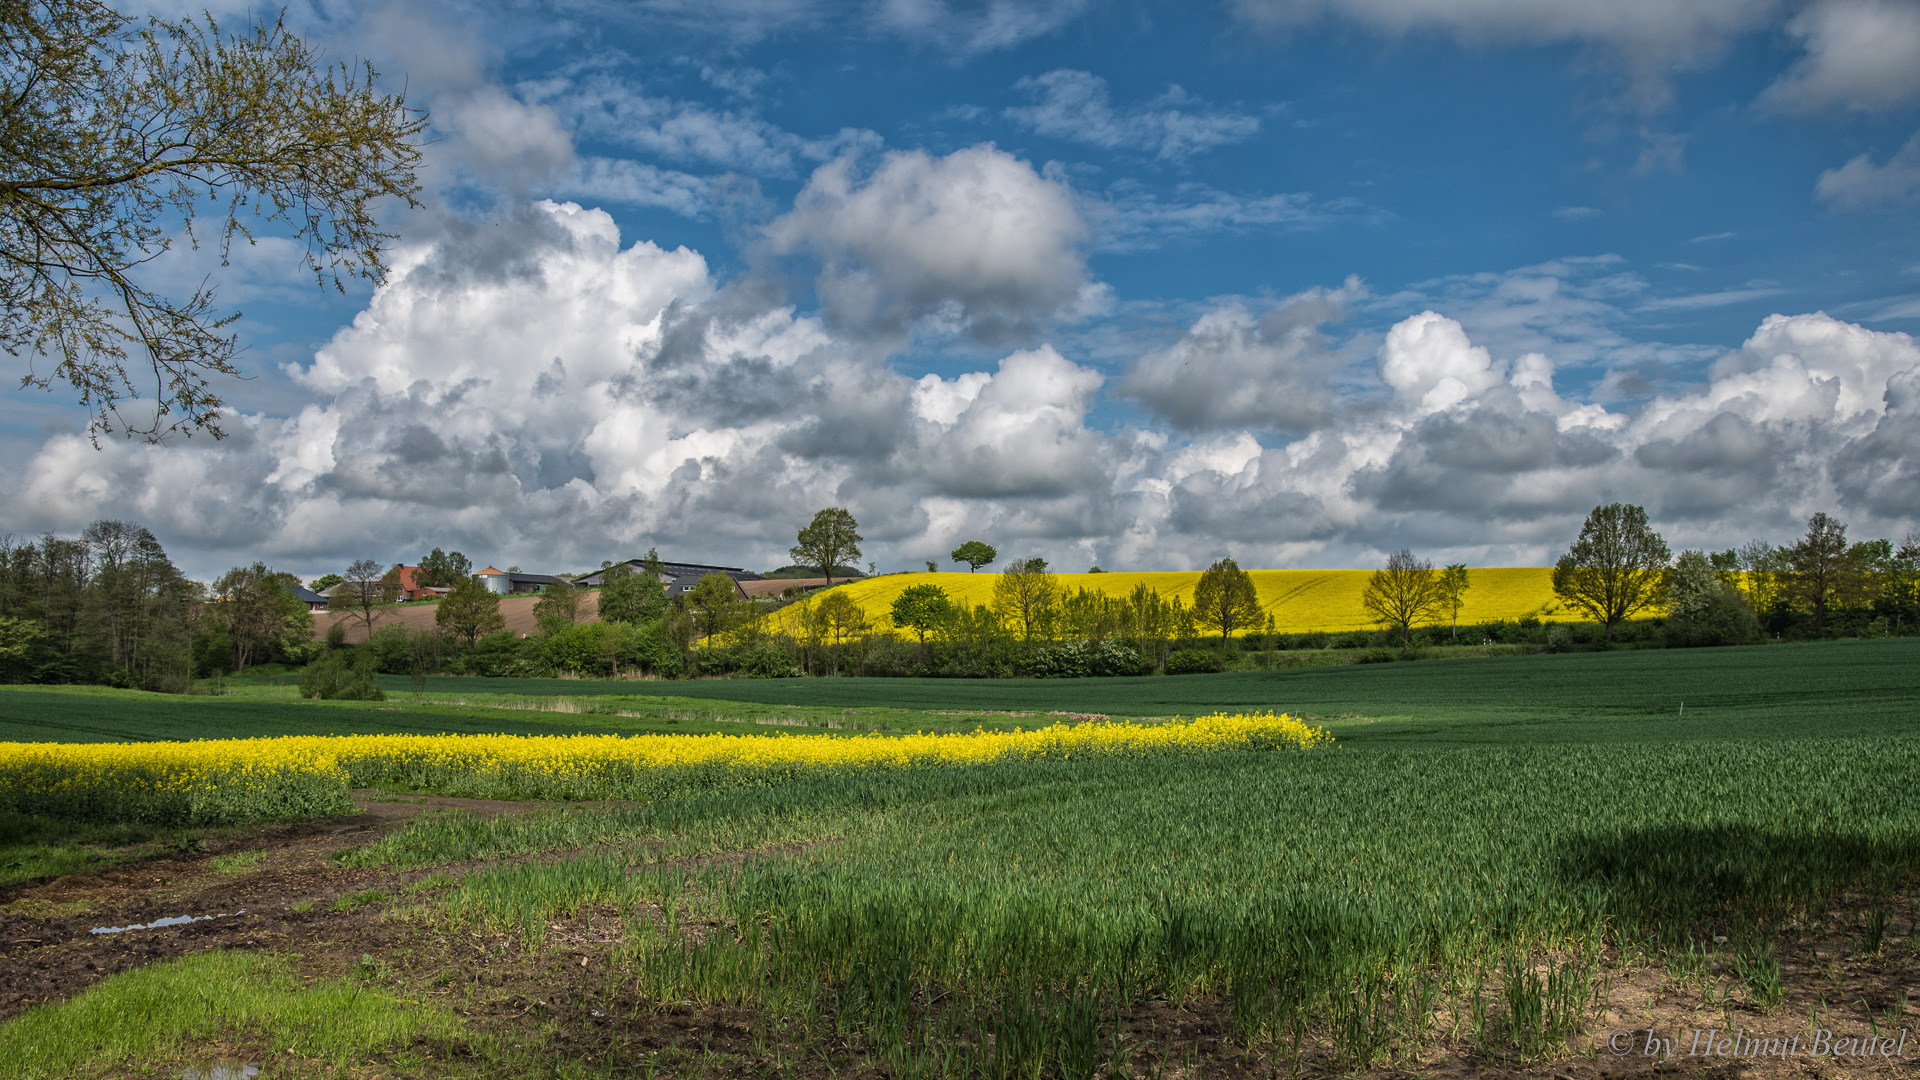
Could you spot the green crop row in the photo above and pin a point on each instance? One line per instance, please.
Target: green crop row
(1286, 887)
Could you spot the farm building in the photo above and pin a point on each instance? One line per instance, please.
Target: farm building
(678, 576)
(511, 582)
(411, 587)
(314, 601)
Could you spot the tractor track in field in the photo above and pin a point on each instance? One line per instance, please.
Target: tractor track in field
(49, 952)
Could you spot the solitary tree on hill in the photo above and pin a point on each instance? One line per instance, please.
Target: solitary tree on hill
(1224, 599)
(1403, 593)
(832, 538)
(975, 554)
(1618, 566)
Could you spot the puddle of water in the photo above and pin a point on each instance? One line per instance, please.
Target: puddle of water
(157, 924)
(221, 1069)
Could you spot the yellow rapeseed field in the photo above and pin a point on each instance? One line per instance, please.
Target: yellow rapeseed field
(225, 781)
(209, 782)
(1300, 601)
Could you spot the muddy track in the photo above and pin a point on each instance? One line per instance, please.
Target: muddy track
(48, 950)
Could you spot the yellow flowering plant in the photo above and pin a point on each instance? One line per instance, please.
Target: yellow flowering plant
(226, 781)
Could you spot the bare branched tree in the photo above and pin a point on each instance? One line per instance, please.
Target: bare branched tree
(1406, 591)
(367, 590)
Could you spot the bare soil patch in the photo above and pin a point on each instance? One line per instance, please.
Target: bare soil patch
(420, 615)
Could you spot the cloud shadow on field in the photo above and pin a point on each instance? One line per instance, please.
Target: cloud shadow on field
(1681, 881)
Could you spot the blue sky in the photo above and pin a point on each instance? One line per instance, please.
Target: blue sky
(1137, 284)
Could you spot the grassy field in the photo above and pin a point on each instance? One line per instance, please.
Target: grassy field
(1501, 861)
(1300, 601)
(264, 710)
(1354, 908)
(1819, 688)
(1814, 689)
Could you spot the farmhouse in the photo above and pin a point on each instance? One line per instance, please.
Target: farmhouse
(314, 601)
(411, 587)
(510, 582)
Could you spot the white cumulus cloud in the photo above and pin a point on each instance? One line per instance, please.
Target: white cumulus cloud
(974, 242)
(543, 392)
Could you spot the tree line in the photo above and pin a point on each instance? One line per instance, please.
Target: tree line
(1619, 567)
(109, 607)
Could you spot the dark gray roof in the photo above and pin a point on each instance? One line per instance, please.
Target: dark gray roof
(306, 595)
(674, 573)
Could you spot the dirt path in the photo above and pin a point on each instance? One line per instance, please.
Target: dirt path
(282, 902)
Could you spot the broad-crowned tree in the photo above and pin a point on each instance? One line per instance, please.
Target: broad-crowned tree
(831, 538)
(470, 612)
(444, 568)
(714, 601)
(627, 597)
(920, 608)
(975, 554)
(121, 136)
(558, 606)
(254, 606)
(842, 616)
(1224, 599)
(1617, 567)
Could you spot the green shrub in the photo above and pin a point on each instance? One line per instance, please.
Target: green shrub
(1195, 662)
(582, 648)
(652, 650)
(342, 675)
(501, 654)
